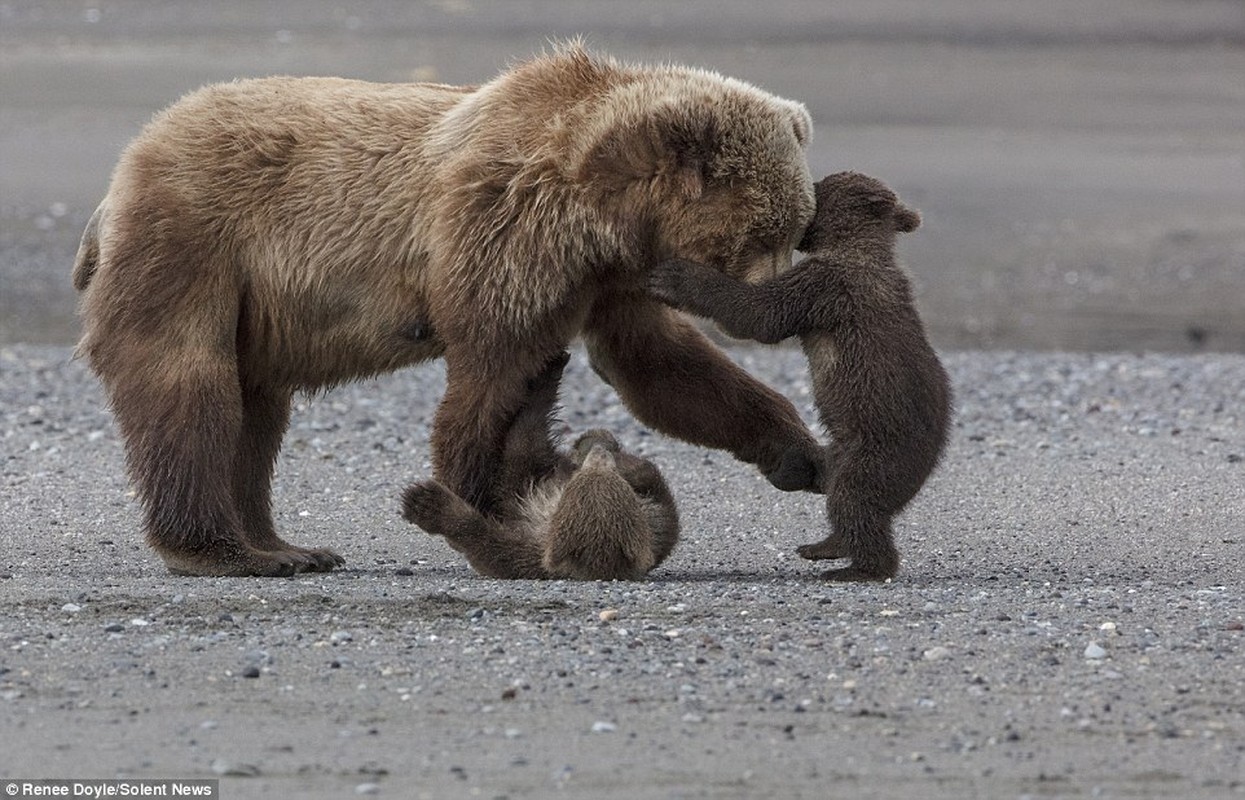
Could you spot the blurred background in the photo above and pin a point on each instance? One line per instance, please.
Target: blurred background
(1080, 163)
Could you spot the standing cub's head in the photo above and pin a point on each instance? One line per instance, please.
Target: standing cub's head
(849, 205)
(703, 167)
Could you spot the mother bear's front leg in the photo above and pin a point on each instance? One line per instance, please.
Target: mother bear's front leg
(486, 385)
(674, 379)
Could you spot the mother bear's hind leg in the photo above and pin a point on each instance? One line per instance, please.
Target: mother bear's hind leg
(265, 418)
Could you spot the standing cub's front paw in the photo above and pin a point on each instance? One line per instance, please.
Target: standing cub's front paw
(672, 282)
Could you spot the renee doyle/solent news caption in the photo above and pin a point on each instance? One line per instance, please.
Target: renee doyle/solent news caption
(111, 787)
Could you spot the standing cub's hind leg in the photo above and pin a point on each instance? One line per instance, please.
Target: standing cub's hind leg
(862, 535)
(830, 547)
(859, 530)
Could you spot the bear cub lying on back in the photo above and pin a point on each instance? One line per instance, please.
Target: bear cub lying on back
(881, 392)
(594, 513)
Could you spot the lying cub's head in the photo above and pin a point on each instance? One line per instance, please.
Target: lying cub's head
(598, 443)
(850, 204)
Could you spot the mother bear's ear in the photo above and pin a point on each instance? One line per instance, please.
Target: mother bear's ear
(801, 121)
(669, 146)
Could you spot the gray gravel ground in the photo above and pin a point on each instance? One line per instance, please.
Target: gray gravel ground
(1068, 622)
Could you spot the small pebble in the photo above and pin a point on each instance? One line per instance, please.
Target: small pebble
(234, 770)
(936, 653)
(608, 615)
(601, 726)
(367, 788)
(1094, 651)
(251, 672)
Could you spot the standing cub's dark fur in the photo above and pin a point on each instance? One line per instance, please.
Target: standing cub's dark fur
(595, 513)
(881, 391)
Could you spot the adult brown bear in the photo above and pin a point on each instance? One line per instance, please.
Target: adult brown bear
(266, 236)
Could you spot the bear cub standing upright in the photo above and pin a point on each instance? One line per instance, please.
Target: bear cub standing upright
(594, 513)
(881, 392)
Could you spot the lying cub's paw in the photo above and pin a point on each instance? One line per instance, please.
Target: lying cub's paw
(427, 505)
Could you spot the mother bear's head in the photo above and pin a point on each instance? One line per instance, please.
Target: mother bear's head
(661, 161)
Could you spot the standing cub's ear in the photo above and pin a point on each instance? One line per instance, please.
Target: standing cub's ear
(906, 219)
(672, 144)
(883, 203)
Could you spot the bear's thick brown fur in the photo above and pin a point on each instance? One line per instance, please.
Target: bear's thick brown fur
(883, 395)
(266, 236)
(593, 513)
